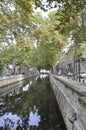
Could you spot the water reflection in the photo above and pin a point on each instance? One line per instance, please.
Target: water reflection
(42, 76)
(11, 121)
(26, 87)
(34, 118)
(30, 107)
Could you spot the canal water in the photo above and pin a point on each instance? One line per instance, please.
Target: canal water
(30, 106)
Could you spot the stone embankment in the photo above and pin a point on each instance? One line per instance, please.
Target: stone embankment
(11, 79)
(6, 83)
(71, 98)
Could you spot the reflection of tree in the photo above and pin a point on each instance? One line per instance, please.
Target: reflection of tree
(41, 96)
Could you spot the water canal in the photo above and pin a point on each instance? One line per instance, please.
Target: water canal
(30, 106)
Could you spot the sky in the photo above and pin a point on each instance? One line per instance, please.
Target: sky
(45, 13)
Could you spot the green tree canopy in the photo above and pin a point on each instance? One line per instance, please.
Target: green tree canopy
(49, 42)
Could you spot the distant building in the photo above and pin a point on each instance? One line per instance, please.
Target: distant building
(66, 64)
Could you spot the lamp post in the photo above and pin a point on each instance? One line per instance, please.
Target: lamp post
(76, 67)
(79, 57)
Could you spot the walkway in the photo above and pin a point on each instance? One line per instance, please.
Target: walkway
(82, 80)
(78, 86)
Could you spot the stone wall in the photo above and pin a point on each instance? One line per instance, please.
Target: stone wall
(71, 97)
(13, 79)
(9, 83)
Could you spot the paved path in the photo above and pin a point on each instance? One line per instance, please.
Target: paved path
(82, 80)
(76, 85)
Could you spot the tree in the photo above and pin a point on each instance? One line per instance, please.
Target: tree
(67, 9)
(21, 26)
(15, 20)
(49, 42)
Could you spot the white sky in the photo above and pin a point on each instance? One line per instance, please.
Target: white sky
(45, 13)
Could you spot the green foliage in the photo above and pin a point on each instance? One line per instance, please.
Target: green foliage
(25, 5)
(69, 5)
(68, 10)
(17, 54)
(15, 25)
(49, 42)
(15, 17)
(20, 54)
(20, 24)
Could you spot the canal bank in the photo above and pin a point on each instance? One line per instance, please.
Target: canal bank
(4, 81)
(32, 106)
(9, 82)
(71, 98)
